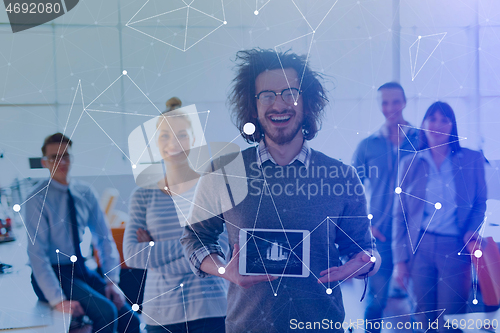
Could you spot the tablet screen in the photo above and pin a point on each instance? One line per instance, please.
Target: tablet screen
(274, 252)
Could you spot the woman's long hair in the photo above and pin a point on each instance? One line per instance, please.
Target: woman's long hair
(446, 110)
(243, 104)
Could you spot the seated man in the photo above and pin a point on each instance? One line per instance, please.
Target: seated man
(56, 215)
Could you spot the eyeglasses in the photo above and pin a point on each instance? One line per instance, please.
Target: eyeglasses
(57, 158)
(268, 97)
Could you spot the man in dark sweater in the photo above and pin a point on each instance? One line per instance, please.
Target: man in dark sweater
(278, 102)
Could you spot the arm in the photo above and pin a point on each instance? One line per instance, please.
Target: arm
(140, 254)
(400, 245)
(212, 264)
(37, 225)
(359, 160)
(354, 240)
(476, 215)
(400, 238)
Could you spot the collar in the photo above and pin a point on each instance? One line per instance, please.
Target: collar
(58, 186)
(263, 155)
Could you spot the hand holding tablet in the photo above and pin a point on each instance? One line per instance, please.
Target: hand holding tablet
(359, 265)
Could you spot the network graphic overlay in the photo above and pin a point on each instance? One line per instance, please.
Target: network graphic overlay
(178, 13)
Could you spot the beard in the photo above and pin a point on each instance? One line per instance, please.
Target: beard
(282, 136)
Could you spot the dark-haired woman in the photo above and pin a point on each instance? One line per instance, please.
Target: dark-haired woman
(440, 207)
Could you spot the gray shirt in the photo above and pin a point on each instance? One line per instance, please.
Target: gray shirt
(337, 222)
(47, 219)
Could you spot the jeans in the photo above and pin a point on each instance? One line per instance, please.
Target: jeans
(89, 292)
(378, 286)
(204, 325)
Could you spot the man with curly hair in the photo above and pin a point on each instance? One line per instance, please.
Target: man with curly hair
(278, 102)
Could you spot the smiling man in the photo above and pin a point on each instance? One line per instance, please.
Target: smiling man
(278, 103)
(56, 214)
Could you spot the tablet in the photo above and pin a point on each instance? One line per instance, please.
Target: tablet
(277, 252)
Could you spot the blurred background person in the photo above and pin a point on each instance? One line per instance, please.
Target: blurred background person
(441, 206)
(58, 216)
(175, 300)
(376, 159)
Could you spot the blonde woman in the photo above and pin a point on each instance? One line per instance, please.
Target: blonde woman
(175, 300)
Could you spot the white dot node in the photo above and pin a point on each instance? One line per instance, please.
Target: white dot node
(134, 166)
(124, 72)
(295, 103)
(135, 307)
(275, 294)
(221, 270)
(73, 258)
(16, 207)
(314, 31)
(438, 205)
(419, 37)
(181, 285)
(474, 301)
(225, 22)
(165, 188)
(370, 216)
(329, 291)
(151, 243)
(478, 254)
(373, 259)
(249, 128)
(398, 190)
(256, 12)
(57, 250)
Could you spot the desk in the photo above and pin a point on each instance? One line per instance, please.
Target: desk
(18, 302)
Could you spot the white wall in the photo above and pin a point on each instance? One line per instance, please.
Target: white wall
(352, 47)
